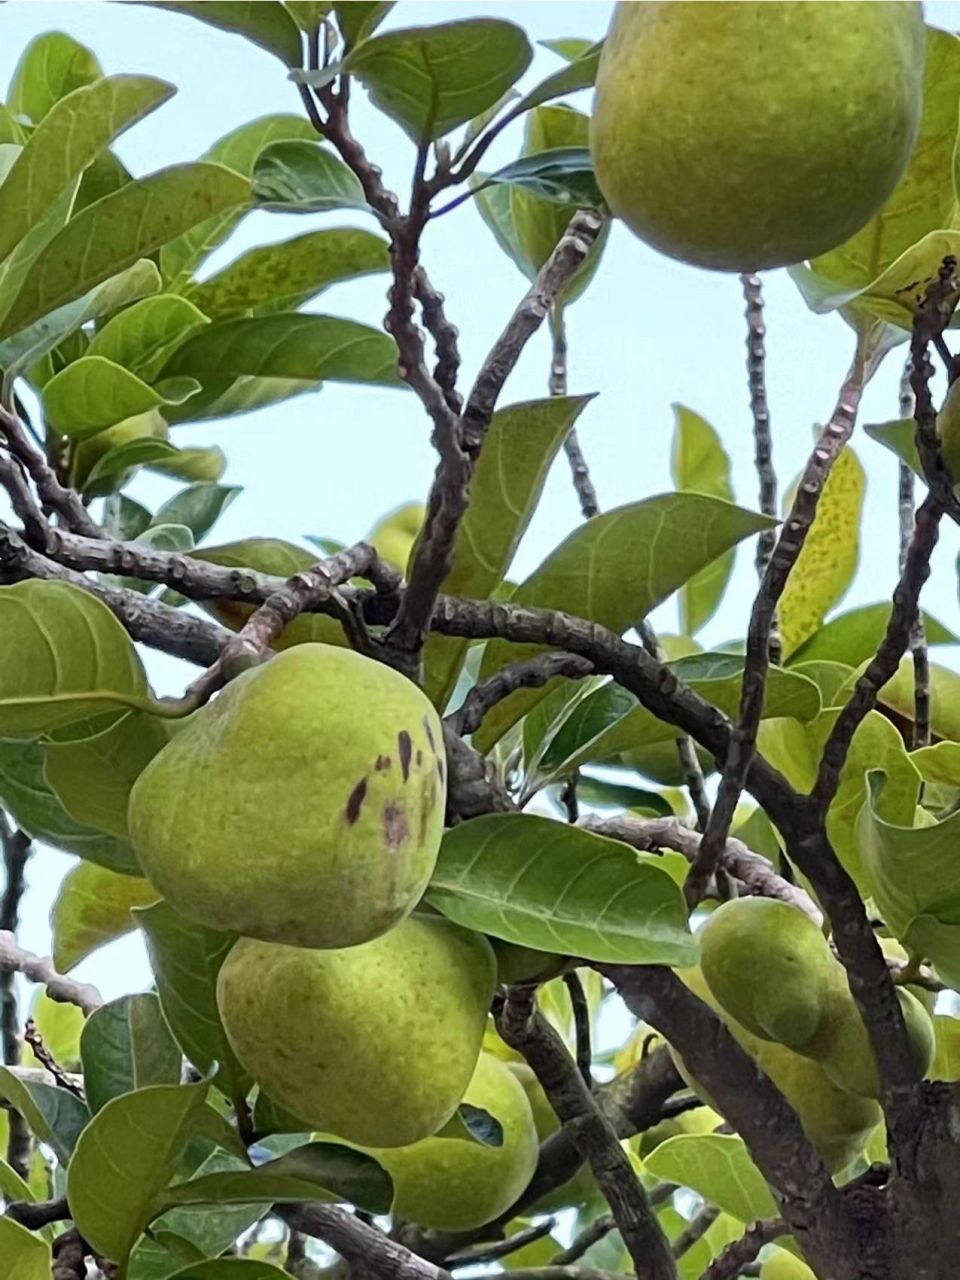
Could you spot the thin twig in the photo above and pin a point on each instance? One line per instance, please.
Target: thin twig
(36, 969)
(501, 1248)
(789, 544)
(740, 1253)
(591, 1235)
(699, 1224)
(557, 385)
(762, 440)
(524, 1028)
(918, 639)
(581, 1023)
(43, 1055)
(754, 871)
(530, 673)
(66, 502)
(33, 1215)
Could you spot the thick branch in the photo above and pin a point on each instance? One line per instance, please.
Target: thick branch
(36, 969)
(16, 853)
(751, 869)
(368, 1251)
(800, 1182)
(740, 1253)
(526, 1030)
(65, 502)
(797, 525)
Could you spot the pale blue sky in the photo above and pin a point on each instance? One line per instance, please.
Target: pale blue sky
(647, 333)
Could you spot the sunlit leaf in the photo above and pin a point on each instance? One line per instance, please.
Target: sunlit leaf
(51, 66)
(93, 393)
(718, 1167)
(700, 464)
(263, 22)
(143, 337)
(93, 907)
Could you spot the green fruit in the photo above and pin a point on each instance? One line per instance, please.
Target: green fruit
(394, 536)
(837, 1123)
(745, 135)
(303, 805)
(377, 1043)
(582, 1186)
(454, 1184)
(850, 1063)
(770, 968)
(783, 1265)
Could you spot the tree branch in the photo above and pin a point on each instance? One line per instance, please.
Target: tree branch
(368, 1251)
(918, 640)
(16, 853)
(740, 1253)
(591, 1235)
(785, 554)
(557, 386)
(524, 1028)
(36, 969)
(530, 673)
(753, 871)
(65, 502)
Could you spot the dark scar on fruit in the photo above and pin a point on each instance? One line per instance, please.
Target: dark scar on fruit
(426, 725)
(395, 824)
(405, 747)
(352, 811)
(419, 757)
(440, 770)
(383, 762)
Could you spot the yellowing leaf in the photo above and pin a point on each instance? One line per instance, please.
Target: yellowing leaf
(93, 907)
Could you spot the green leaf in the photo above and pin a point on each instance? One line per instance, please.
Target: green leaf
(616, 795)
(214, 1228)
(560, 175)
(700, 464)
(718, 1167)
(238, 150)
(229, 1269)
(308, 14)
(28, 346)
(70, 137)
(521, 444)
(913, 877)
(193, 464)
(263, 22)
(829, 677)
(358, 19)
(103, 177)
(946, 1062)
(300, 176)
(899, 436)
(114, 468)
(613, 570)
(611, 720)
(186, 959)
(198, 506)
(113, 233)
(472, 1124)
(494, 205)
(55, 1116)
(580, 73)
(795, 750)
(51, 66)
(143, 337)
(65, 657)
(432, 79)
(127, 1045)
(25, 1255)
(225, 397)
(93, 393)
(16, 269)
(125, 1158)
(12, 132)
(93, 776)
(12, 1186)
(922, 201)
(561, 889)
(898, 695)
(828, 561)
(285, 275)
(305, 347)
(31, 802)
(855, 636)
(93, 907)
(319, 1171)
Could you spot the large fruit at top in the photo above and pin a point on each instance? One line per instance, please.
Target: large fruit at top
(740, 135)
(455, 1184)
(375, 1044)
(304, 805)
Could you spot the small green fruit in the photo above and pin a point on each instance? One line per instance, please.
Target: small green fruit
(303, 805)
(394, 536)
(452, 1184)
(783, 1265)
(376, 1044)
(770, 968)
(717, 134)
(850, 1063)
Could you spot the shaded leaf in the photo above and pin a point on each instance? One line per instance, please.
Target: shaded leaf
(563, 175)
(319, 1171)
(93, 393)
(308, 14)
(561, 889)
(143, 337)
(300, 176)
(358, 19)
(699, 463)
(229, 1269)
(65, 657)
(113, 233)
(828, 560)
(25, 1255)
(263, 22)
(898, 696)
(718, 1167)
(105, 175)
(114, 468)
(613, 570)
(520, 446)
(473, 1124)
(282, 276)
(186, 959)
(93, 907)
(127, 1045)
(71, 135)
(432, 79)
(93, 776)
(55, 1116)
(580, 73)
(31, 802)
(855, 636)
(494, 204)
(193, 464)
(124, 1159)
(198, 506)
(51, 66)
(308, 347)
